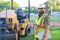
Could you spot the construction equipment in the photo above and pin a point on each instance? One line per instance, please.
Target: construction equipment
(8, 24)
(24, 28)
(14, 24)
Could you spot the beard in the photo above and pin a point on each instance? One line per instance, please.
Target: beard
(42, 12)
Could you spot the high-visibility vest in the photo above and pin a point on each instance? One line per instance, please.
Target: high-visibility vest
(40, 22)
(37, 21)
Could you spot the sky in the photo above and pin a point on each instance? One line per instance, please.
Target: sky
(24, 3)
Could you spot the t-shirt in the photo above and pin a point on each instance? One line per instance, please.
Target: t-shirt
(46, 20)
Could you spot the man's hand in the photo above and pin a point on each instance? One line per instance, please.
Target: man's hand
(46, 32)
(44, 39)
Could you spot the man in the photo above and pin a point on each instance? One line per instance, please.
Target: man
(42, 23)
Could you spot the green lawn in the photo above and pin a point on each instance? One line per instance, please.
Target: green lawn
(55, 34)
(29, 37)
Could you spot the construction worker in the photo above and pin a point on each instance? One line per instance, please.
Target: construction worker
(42, 23)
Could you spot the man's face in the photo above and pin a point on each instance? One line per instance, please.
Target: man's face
(41, 10)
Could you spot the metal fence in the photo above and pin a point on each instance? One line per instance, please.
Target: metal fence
(54, 18)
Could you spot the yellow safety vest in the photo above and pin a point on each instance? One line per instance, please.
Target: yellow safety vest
(39, 22)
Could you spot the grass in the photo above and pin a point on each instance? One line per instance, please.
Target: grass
(55, 34)
(29, 37)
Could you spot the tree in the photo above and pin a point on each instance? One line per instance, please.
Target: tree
(1, 0)
(32, 9)
(15, 5)
(4, 4)
(53, 5)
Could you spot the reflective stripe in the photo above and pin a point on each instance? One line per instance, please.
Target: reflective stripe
(36, 36)
(39, 29)
(38, 21)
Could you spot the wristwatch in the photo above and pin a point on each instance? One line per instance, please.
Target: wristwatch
(44, 36)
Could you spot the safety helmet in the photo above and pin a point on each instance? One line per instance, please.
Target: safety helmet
(41, 6)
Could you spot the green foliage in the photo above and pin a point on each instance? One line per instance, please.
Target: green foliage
(32, 9)
(4, 4)
(53, 5)
(15, 5)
